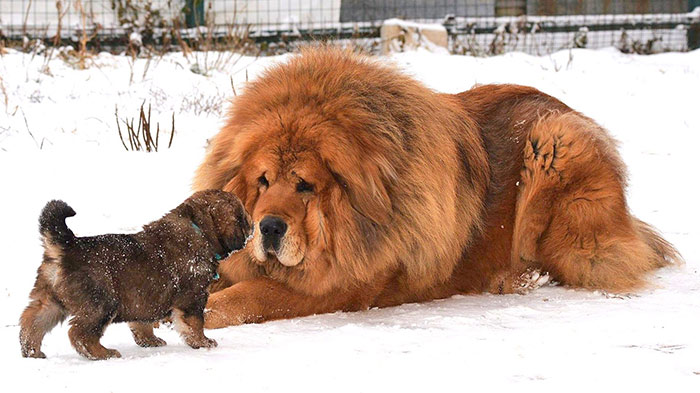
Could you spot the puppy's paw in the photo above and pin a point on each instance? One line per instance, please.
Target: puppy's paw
(143, 335)
(33, 353)
(150, 342)
(104, 354)
(210, 343)
(204, 342)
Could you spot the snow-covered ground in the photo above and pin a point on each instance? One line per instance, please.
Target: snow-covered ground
(552, 339)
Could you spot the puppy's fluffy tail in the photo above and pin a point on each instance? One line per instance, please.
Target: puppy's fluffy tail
(52, 223)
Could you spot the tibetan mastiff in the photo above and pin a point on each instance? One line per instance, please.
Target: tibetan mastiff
(140, 278)
(368, 189)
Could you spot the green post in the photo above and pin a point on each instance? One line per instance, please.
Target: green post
(694, 30)
(194, 13)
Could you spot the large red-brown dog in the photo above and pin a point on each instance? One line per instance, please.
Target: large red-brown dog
(368, 189)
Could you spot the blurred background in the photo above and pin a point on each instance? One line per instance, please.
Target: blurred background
(475, 27)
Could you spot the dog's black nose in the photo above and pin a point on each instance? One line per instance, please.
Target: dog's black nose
(272, 229)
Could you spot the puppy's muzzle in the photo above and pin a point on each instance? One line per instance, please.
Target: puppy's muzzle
(272, 229)
(241, 235)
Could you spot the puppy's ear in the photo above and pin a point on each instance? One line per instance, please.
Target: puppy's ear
(198, 212)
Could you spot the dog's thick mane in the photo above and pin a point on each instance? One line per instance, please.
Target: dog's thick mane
(353, 107)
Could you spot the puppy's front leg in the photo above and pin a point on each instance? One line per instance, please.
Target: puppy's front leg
(190, 324)
(143, 335)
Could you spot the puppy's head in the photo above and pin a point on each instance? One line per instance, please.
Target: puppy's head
(222, 217)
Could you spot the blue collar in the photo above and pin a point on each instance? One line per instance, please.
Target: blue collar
(217, 257)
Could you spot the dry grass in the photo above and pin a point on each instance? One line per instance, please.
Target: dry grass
(6, 98)
(207, 48)
(214, 47)
(140, 137)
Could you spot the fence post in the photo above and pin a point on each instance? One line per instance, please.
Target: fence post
(694, 30)
(194, 13)
(510, 7)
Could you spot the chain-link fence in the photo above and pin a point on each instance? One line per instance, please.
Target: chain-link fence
(473, 26)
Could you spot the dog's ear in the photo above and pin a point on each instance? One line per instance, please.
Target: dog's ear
(222, 160)
(366, 190)
(237, 186)
(222, 168)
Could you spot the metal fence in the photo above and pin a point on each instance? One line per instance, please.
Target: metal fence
(474, 26)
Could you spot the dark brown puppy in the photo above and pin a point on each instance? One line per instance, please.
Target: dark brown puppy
(138, 278)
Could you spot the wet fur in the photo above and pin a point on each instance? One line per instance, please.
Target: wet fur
(418, 195)
(138, 278)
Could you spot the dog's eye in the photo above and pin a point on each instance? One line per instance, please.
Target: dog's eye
(262, 180)
(304, 186)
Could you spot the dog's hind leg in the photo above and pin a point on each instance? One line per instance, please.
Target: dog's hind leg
(572, 219)
(143, 335)
(41, 315)
(86, 331)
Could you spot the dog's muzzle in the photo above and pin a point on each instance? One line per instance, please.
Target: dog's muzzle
(272, 229)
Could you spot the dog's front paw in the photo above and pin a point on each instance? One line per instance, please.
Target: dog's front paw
(221, 311)
(217, 318)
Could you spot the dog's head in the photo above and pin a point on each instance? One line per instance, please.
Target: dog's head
(312, 193)
(220, 216)
(314, 148)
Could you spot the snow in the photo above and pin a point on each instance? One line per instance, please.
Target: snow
(552, 339)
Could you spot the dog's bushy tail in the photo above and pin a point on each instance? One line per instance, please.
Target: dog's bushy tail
(52, 223)
(665, 253)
